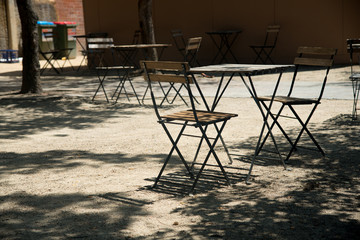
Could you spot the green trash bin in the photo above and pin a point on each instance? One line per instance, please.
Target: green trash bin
(63, 37)
(45, 32)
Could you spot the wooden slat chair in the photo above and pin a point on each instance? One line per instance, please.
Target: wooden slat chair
(52, 54)
(97, 49)
(137, 37)
(263, 52)
(308, 57)
(191, 51)
(179, 41)
(171, 72)
(85, 51)
(353, 48)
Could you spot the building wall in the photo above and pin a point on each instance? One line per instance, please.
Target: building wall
(47, 10)
(325, 23)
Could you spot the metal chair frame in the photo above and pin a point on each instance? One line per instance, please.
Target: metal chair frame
(308, 56)
(51, 54)
(98, 47)
(157, 71)
(353, 48)
(263, 52)
(179, 41)
(191, 51)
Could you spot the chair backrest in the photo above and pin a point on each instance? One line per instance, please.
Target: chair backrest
(97, 49)
(137, 37)
(319, 57)
(272, 33)
(353, 46)
(97, 35)
(179, 40)
(191, 50)
(48, 40)
(99, 43)
(166, 71)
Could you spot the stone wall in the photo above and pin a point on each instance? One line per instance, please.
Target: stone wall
(3, 26)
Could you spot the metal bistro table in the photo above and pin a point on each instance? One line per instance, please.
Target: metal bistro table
(127, 55)
(245, 72)
(227, 39)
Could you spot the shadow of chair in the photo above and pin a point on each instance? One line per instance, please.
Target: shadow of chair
(263, 52)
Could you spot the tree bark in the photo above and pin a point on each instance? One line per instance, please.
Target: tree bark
(29, 34)
(147, 26)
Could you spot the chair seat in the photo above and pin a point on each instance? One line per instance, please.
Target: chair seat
(262, 46)
(289, 100)
(204, 117)
(115, 68)
(51, 52)
(355, 76)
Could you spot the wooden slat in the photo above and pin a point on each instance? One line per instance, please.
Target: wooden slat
(314, 62)
(353, 41)
(316, 50)
(100, 40)
(166, 65)
(275, 28)
(289, 100)
(193, 43)
(204, 117)
(167, 78)
(99, 45)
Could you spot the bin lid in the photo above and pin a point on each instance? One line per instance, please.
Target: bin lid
(65, 23)
(45, 23)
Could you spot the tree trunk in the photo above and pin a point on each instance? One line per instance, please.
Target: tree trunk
(147, 26)
(29, 34)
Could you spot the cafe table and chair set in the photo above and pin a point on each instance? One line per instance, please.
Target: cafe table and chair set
(165, 76)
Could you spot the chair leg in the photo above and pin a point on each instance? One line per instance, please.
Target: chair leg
(356, 91)
(258, 55)
(101, 85)
(257, 150)
(48, 62)
(275, 121)
(267, 54)
(177, 93)
(174, 147)
(304, 128)
(211, 151)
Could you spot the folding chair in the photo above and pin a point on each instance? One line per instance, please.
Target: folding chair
(159, 71)
(137, 37)
(263, 52)
(49, 53)
(191, 50)
(179, 41)
(353, 46)
(97, 51)
(318, 57)
(85, 51)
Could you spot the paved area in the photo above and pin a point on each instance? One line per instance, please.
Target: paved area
(84, 83)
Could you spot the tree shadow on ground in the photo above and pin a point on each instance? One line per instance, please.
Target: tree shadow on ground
(53, 217)
(322, 206)
(25, 116)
